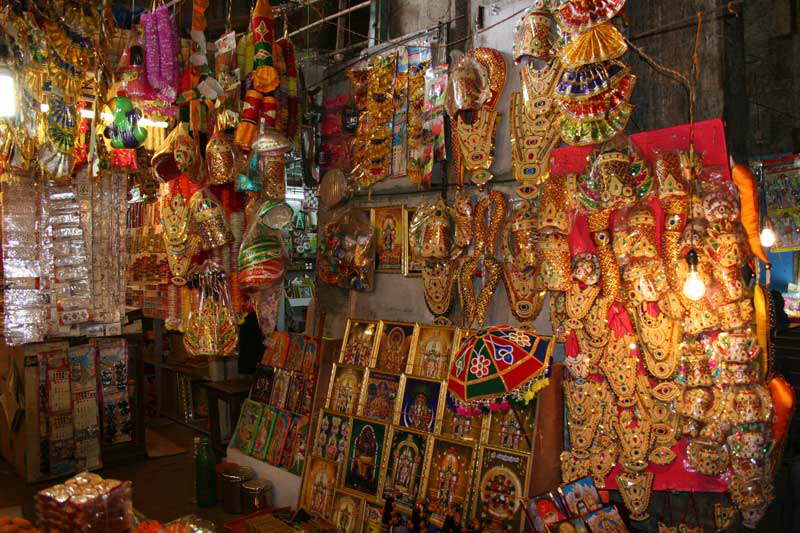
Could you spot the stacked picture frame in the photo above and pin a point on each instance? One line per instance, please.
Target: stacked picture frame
(386, 430)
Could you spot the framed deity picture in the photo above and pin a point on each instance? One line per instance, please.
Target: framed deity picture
(372, 519)
(580, 496)
(262, 386)
(405, 467)
(263, 434)
(461, 427)
(295, 355)
(394, 345)
(294, 455)
(500, 490)
(606, 520)
(365, 457)
(247, 427)
(333, 435)
(389, 238)
(380, 396)
(345, 389)
(505, 430)
(420, 407)
(347, 512)
(412, 265)
(358, 342)
(545, 510)
(571, 525)
(276, 348)
(431, 350)
(280, 429)
(308, 364)
(294, 396)
(280, 388)
(316, 494)
(449, 477)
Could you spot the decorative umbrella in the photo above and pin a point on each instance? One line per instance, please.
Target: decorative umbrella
(497, 364)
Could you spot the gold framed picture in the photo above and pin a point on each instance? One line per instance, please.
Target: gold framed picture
(358, 342)
(431, 351)
(394, 345)
(449, 477)
(365, 457)
(344, 390)
(460, 427)
(505, 430)
(319, 483)
(389, 238)
(372, 518)
(379, 396)
(412, 265)
(422, 400)
(500, 489)
(405, 467)
(333, 436)
(347, 512)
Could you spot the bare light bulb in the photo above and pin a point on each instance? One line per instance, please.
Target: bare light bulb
(767, 237)
(8, 93)
(693, 288)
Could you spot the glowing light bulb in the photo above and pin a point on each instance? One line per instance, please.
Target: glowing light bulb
(8, 93)
(693, 287)
(767, 237)
(44, 108)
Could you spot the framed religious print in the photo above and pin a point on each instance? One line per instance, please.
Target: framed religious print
(247, 427)
(394, 345)
(545, 510)
(365, 457)
(380, 395)
(308, 364)
(412, 265)
(372, 519)
(262, 385)
(405, 467)
(295, 355)
(571, 525)
(294, 395)
(500, 490)
(461, 427)
(333, 435)
(276, 347)
(580, 496)
(280, 429)
(505, 430)
(263, 434)
(358, 342)
(294, 455)
(280, 388)
(347, 512)
(421, 399)
(449, 477)
(345, 389)
(430, 353)
(389, 238)
(606, 520)
(316, 494)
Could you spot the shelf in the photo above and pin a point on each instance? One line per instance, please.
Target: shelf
(299, 302)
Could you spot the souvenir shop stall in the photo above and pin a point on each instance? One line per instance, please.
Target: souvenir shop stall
(476, 302)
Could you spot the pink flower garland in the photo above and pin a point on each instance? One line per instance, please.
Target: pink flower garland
(168, 54)
(151, 50)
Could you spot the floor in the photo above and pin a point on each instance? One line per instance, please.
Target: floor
(162, 488)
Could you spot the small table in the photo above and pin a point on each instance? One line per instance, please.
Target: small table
(233, 393)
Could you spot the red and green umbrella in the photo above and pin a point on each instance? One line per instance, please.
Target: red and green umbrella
(499, 363)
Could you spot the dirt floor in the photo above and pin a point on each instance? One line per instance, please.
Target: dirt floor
(162, 488)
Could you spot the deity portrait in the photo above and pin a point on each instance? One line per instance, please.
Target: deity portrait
(381, 396)
(346, 513)
(345, 390)
(318, 487)
(404, 471)
(432, 351)
(449, 478)
(580, 496)
(505, 430)
(606, 520)
(394, 344)
(500, 489)
(365, 456)
(420, 404)
(332, 437)
(461, 427)
(388, 222)
(359, 339)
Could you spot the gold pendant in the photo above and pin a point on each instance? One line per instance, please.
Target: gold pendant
(636, 490)
(438, 280)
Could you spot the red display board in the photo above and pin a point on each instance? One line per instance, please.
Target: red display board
(709, 141)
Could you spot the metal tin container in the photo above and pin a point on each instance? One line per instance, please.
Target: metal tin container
(232, 480)
(256, 495)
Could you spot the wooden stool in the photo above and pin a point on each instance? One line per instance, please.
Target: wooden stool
(233, 393)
